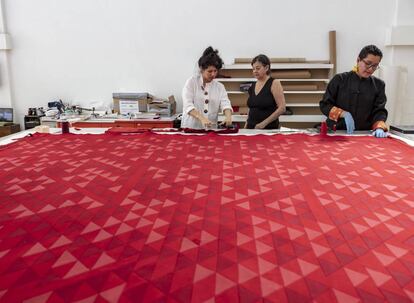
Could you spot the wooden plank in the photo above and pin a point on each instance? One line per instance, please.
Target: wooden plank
(299, 87)
(332, 52)
(272, 60)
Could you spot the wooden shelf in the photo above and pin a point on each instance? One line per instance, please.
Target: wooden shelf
(302, 104)
(282, 80)
(303, 92)
(302, 118)
(235, 92)
(234, 118)
(276, 66)
(283, 118)
(304, 85)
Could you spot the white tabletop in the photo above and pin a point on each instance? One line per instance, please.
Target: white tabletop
(409, 139)
(55, 131)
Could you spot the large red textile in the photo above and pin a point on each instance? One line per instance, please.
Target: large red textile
(172, 218)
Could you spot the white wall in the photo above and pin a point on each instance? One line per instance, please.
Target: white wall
(5, 88)
(405, 12)
(84, 50)
(403, 56)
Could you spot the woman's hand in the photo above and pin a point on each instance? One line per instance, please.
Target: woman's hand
(260, 125)
(207, 124)
(227, 121)
(227, 118)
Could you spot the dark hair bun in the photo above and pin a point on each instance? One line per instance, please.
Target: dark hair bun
(210, 57)
(209, 50)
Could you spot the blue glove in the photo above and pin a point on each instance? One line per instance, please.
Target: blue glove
(380, 133)
(349, 121)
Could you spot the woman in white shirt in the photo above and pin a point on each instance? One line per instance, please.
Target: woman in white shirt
(204, 97)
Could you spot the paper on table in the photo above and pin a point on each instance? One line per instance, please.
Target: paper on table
(128, 107)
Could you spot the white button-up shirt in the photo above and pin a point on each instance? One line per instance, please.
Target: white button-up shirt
(195, 96)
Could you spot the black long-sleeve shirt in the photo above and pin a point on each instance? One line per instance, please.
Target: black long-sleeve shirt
(364, 98)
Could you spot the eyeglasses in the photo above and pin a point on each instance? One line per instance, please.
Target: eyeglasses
(369, 65)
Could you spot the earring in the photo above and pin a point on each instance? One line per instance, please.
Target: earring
(355, 68)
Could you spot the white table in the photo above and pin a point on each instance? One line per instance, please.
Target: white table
(409, 139)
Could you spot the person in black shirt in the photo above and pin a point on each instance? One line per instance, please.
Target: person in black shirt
(356, 100)
(266, 100)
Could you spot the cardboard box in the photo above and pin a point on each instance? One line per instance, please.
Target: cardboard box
(162, 107)
(142, 100)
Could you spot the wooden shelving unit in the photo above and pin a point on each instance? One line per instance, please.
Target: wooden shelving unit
(304, 84)
(302, 94)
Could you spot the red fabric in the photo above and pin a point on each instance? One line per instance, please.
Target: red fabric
(126, 130)
(172, 218)
(230, 130)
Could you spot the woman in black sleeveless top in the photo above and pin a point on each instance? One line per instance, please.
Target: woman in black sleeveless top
(266, 100)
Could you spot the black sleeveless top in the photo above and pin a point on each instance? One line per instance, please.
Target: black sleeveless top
(261, 105)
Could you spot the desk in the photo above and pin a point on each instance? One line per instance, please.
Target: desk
(162, 123)
(151, 217)
(9, 129)
(86, 122)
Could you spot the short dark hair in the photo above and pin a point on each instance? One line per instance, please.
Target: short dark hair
(210, 57)
(263, 59)
(370, 49)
